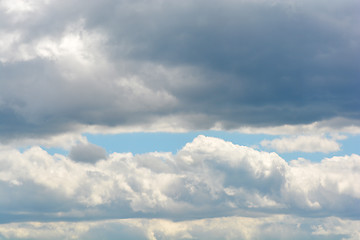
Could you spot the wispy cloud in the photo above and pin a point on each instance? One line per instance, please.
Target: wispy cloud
(303, 143)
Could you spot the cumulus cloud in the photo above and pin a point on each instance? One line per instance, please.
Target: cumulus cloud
(307, 144)
(208, 177)
(137, 64)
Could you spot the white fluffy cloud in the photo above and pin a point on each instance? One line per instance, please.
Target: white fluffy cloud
(303, 143)
(207, 177)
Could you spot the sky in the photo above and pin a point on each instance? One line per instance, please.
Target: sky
(192, 119)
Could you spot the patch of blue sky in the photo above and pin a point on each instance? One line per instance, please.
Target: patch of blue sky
(350, 145)
(53, 151)
(166, 142)
(141, 142)
(49, 150)
(313, 157)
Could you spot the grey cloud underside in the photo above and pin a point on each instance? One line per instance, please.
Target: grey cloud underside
(238, 63)
(87, 153)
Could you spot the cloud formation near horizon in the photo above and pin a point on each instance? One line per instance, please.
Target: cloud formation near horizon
(275, 227)
(176, 65)
(207, 178)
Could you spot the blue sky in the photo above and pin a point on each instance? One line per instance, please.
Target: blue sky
(144, 142)
(139, 143)
(164, 142)
(193, 119)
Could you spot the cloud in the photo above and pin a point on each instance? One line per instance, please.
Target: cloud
(302, 144)
(333, 126)
(87, 152)
(120, 66)
(64, 141)
(132, 65)
(278, 226)
(206, 178)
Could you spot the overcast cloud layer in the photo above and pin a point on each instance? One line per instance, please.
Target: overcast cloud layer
(176, 64)
(207, 178)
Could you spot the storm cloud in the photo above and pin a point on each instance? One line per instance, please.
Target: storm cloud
(202, 63)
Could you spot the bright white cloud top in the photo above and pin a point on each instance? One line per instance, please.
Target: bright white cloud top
(285, 70)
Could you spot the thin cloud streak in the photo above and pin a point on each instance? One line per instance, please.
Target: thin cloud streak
(303, 143)
(278, 226)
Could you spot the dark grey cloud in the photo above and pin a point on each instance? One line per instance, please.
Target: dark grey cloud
(262, 64)
(133, 62)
